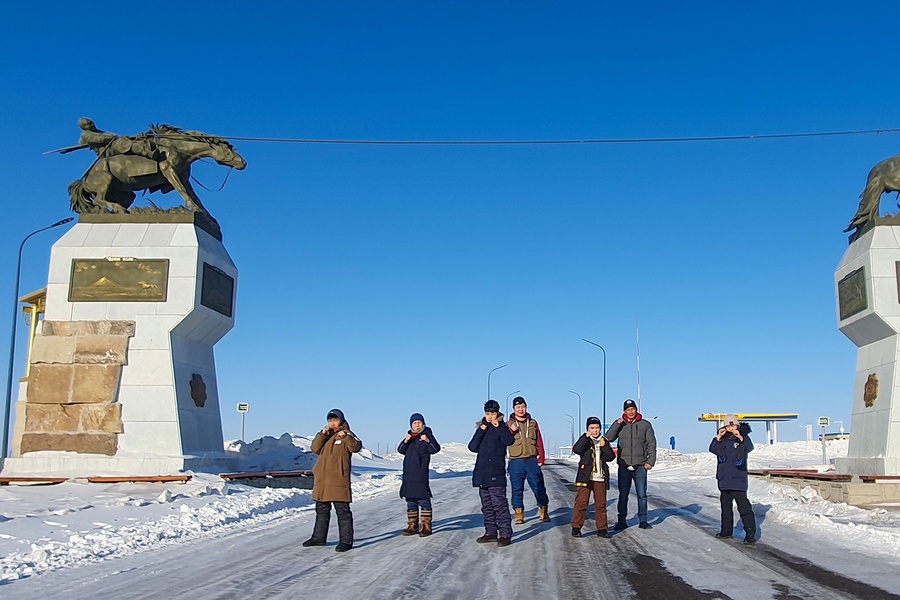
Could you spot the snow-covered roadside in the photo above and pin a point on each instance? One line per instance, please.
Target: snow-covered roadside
(693, 475)
(44, 528)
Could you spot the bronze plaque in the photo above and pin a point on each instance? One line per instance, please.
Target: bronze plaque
(119, 279)
(217, 291)
(852, 293)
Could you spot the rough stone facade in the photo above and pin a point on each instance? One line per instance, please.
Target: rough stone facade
(71, 402)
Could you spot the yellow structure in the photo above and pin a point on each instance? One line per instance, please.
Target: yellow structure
(770, 419)
(36, 302)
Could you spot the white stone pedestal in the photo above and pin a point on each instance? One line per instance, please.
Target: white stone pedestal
(164, 428)
(868, 303)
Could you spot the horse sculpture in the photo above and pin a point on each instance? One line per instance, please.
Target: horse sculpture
(884, 177)
(109, 184)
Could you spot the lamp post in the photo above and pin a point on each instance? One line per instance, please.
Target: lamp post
(507, 401)
(571, 429)
(489, 379)
(605, 424)
(12, 337)
(579, 406)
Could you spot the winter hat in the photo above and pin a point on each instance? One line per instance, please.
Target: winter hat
(519, 400)
(629, 404)
(336, 413)
(416, 417)
(492, 406)
(593, 421)
(731, 420)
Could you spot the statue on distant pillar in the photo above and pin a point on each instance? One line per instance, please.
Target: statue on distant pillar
(157, 160)
(884, 177)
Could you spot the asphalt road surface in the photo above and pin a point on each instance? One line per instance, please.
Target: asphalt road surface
(678, 559)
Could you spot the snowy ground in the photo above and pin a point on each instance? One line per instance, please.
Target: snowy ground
(48, 530)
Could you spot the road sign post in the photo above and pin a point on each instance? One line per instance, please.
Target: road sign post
(243, 408)
(824, 422)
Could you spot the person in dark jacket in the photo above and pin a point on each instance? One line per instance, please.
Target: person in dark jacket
(490, 441)
(636, 456)
(731, 446)
(417, 448)
(334, 446)
(592, 477)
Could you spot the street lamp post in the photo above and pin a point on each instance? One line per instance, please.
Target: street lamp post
(12, 337)
(605, 423)
(507, 401)
(489, 379)
(571, 428)
(580, 422)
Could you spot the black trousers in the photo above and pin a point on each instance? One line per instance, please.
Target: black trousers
(323, 519)
(726, 498)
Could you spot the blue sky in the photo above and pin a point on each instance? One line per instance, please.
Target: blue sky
(391, 279)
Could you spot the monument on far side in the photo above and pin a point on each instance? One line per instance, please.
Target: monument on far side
(122, 377)
(867, 282)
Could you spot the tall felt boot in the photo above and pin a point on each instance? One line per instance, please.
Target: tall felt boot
(412, 522)
(544, 514)
(426, 523)
(520, 516)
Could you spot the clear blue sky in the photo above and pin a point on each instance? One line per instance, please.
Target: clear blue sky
(388, 280)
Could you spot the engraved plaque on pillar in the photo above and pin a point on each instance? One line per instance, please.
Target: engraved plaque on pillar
(118, 279)
(217, 291)
(852, 293)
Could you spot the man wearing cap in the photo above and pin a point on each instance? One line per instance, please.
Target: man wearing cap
(731, 446)
(526, 457)
(636, 456)
(333, 445)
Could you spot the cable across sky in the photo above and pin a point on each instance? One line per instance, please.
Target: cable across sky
(652, 140)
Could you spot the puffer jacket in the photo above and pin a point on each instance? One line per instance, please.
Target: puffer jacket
(637, 442)
(490, 444)
(587, 466)
(416, 462)
(731, 468)
(332, 468)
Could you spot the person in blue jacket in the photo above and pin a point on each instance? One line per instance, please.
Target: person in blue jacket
(490, 441)
(417, 448)
(731, 446)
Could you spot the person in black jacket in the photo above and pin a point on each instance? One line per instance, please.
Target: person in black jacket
(592, 477)
(417, 448)
(731, 446)
(490, 441)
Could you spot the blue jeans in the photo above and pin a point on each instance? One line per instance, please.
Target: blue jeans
(639, 476)
(417, 503)
(521, 469)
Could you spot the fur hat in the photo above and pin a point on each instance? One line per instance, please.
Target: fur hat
(519, 400)
(629, 404)
(492, 406)
(593, 421)
(336, 413)
(416, 417)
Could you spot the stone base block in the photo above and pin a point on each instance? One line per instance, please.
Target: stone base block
(85, 443)
(65, 464)
(855, 494)
(868, 466)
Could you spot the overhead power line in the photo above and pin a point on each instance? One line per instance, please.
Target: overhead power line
(653, 140)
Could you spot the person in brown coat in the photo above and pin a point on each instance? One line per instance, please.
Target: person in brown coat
(334, 445)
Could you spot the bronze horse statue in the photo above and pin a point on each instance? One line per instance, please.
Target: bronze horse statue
(884, 177)
(109, 184)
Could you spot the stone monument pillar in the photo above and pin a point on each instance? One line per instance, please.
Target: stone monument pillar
(123, 377)
(868, 302)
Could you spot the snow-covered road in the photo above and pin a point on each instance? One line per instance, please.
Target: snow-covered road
(678, 558)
